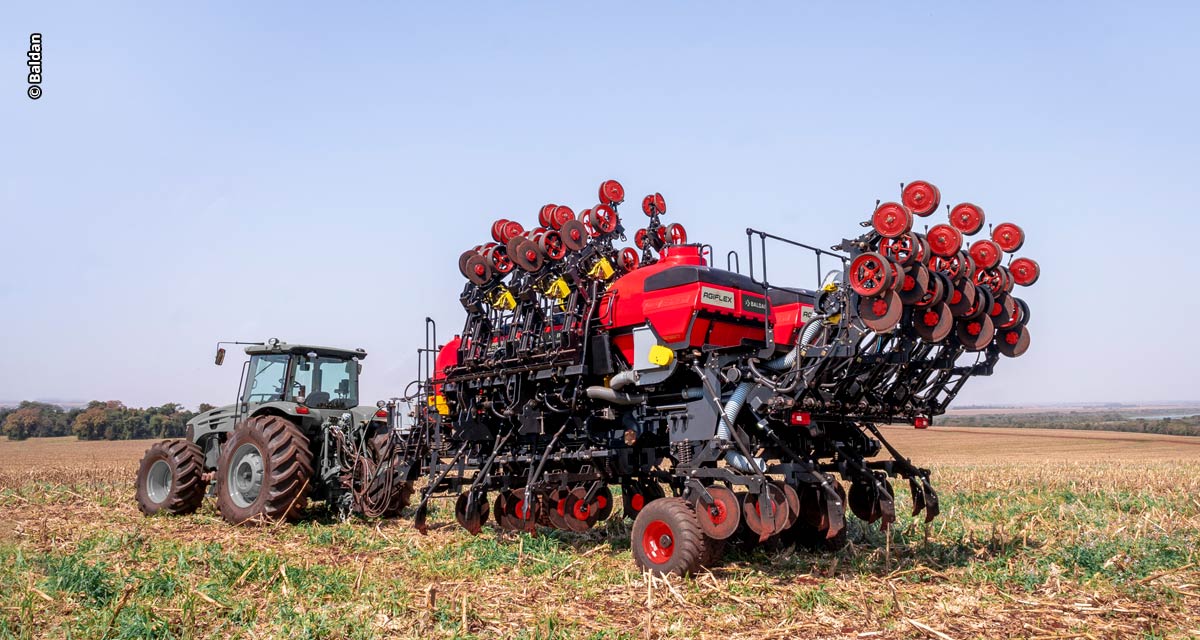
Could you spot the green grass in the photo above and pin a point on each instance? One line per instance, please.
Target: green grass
(84, 564)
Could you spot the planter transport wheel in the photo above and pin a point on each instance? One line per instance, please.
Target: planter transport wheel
(666, 538)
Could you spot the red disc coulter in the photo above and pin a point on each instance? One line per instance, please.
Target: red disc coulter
(1025, 271)
(870, 274)
(985, 253)
(653, 205)
(944, 240)
(967, 218)
(922, 198)
(1008, 237)
(611, 192)
(891, 220)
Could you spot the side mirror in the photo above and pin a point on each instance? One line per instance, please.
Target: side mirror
(220, 360)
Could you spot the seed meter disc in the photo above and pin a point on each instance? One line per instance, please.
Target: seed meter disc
(1009, 236)
(654, 204)
(497, 257)
(472, 520)
(891, 220)
(922, 198)
(676, 234)
(870, 274)
(915, 284)
(721, 519)
(793, 502)
(967, 218)
(544, 214)
(962, 299)
(975, 333)
(1025, 271)
(629, 259)
(552, 246)
(881, 313)
(477, 270)
(903, 249)
(754, 505)
(944, 240)
(934, 323)
(604, 219)
(985, 253)
(1013, 342)
(525, 254)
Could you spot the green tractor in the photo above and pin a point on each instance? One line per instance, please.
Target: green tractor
(296, 433)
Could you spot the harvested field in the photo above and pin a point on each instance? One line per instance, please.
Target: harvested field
(1050, 534)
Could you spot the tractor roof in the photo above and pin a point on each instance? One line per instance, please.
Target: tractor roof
(275, 346)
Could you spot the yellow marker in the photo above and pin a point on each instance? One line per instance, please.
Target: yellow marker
(660, 355)
(558, 290)
(502, 298)
(603, 270)
(439, 402)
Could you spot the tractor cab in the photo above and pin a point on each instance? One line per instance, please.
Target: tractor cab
(315, 377)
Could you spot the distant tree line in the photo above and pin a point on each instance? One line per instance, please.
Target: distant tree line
(1083, 420)
(110, 420)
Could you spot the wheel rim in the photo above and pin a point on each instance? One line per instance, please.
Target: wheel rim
(158, 481)
(658, 542)
(245, 475)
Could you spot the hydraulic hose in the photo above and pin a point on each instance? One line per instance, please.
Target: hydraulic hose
(616, 397)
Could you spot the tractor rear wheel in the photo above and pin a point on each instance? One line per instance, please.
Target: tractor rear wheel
(169, 478)
(264, 471)
(667, 539)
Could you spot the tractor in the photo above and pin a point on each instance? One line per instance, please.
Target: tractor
(296, 433)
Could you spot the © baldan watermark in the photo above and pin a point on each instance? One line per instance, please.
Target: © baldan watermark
(35, 66)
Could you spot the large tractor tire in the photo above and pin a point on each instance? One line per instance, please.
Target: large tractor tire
(666, 538)
(170, 478)
(264, 471)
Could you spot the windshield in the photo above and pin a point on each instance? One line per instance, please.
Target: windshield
(267, 376)
(326, 383)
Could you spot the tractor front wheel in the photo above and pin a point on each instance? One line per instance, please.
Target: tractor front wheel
(667, 539)
(264, 471)
(169, 478)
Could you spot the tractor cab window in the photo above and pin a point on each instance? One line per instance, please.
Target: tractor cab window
(268, 376)
(326, 383)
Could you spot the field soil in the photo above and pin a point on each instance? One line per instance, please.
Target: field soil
(1043, 534)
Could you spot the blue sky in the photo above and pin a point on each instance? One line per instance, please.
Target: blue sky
(219, 171)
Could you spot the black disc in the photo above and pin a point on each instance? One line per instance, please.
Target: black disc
(881, 313)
